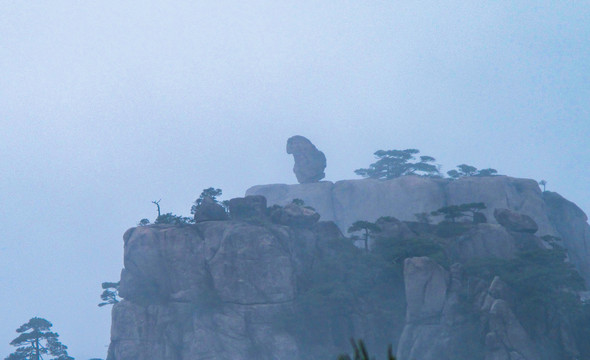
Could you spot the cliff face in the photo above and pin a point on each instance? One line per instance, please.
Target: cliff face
(236, 290)
(205, 291)
(276, 284)
(349, 200)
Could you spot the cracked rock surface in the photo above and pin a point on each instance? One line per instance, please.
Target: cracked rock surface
(206, 291)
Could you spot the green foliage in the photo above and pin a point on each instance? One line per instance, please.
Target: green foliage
(225, 204)
(143, 222)
(170, 218)
(395, 163)
(208, 192)
(369, 229)
(361, 353)
(396, 250)
(298, 202)
(110, 294)
(301, 203)
(455, 212)
(36, 340)
(539, 278)
(487, 172)
(464, 170)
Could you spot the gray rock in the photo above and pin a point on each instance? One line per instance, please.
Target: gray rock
(572, 226)
(426, 289)
(295, 215)
(485, 240)
(424, 342)
(209, 210)
(309, 161)
(327, 230)
(248, 208)
(347, 201)
(206, 291)
(510, 332)
(516, 222)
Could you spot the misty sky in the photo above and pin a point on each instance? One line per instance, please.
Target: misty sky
(108, 105)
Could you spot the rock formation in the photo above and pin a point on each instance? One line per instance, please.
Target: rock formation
(309, 161)
(515, 222)
(236, 289)
(249, 207)
(347, 201)
(206, 291)
(294, 215)
(276, 283)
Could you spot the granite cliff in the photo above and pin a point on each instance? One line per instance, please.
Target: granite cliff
(368, 199)
(274, 283)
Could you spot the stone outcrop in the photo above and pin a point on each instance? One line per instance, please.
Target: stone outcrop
(437, 328)
(249, 207)
(237, 288)
(309, 161)
(426, 289)
(193, 292)
(485, 240)
(224, 289)
(516, 222)
(347, 201)
(294, 215)
(572, 227)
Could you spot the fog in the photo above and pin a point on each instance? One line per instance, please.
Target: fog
(106, 106)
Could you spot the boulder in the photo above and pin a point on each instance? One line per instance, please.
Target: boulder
(248, 208)
(426, 288)
(516, 222)
(484, 240)
(294, 215)
(309, 161)
(209, 210)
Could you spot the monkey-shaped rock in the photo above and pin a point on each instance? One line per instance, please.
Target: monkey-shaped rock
(309, 161)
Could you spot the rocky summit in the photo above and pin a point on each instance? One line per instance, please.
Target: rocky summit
(272, 281)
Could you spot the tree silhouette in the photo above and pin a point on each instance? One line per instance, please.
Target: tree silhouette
(368, 228)
(465, 170)
(36, 340)
(157, 203)
(361, 353)
(543, 183)
(454, 212)
(208, 192)
(395, 163)
(110, 294)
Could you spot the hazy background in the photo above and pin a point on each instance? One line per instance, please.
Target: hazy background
(106, 106)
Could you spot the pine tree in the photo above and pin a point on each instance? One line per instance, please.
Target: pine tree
(368, 228)
(395, 163)
(36, 340)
